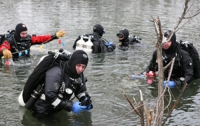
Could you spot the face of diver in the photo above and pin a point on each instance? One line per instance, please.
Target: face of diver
(166, 45)
(169, 46)
(23, 34)
(80, 68)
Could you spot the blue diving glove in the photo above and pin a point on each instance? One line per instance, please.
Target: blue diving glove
(171, 84)
(77, 108)
(108, 44)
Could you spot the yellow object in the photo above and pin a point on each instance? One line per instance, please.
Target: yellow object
(120, 43)
(41, 47)
(60, 33)
(7, 54)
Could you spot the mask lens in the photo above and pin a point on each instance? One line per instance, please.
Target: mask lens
(167, 34)
(120, 35)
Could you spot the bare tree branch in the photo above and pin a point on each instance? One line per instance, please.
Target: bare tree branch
(183, 16)
(160, 104)
(175, 104)
(136, 111)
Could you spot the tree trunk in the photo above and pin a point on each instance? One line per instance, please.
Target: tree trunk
(160, 102)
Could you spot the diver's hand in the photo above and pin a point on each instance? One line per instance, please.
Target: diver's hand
(7, 54)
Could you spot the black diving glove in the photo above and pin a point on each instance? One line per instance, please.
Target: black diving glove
(66, 105)
(178, 83)
(86, 101)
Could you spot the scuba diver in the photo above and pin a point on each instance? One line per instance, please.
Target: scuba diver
(183, 65)
(59, 84)
(94, 42)
(19, 43)
(125, 41)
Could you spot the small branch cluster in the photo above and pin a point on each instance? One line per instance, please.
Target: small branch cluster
(140, 109)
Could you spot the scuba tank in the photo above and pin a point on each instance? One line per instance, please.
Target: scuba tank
(34, 96)
(88, 45)
(34, 85)
(80, 43)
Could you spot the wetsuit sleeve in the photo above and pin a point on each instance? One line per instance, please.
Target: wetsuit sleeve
(42, 39)
(152, 64)
(103, 46)
(80, 91)
(5, 45)
(187, 67)
(132, 40)
(83, 96)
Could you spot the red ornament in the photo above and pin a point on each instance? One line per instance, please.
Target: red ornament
(59, 41)
(7, 63)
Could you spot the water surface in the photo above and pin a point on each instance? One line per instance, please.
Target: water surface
(108, 74)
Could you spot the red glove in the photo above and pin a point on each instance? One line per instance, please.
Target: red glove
(150, 74)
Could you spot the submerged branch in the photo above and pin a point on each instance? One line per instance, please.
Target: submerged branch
(136, 111)
(176, 102)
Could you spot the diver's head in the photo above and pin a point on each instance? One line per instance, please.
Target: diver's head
(98, 29)
(77, 63)
(20, 31)
(169, 46)
(123, 35)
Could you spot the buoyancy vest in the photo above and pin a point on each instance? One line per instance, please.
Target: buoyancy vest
(70, 86)
(20, 48)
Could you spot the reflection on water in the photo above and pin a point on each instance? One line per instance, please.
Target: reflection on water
(108, 74)
(60, 119)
